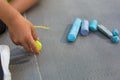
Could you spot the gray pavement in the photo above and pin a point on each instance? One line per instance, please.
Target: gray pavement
(93, 57)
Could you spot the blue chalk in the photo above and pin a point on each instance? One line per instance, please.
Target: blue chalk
(84, 28)
(115, 32)
(115, 39)
(93, 25)
(74, 30)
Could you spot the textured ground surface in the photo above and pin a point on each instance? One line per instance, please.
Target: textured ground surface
(92, 57)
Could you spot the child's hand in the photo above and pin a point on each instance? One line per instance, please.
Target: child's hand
(23, 33)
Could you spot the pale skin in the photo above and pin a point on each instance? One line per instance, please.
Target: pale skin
(21, 30)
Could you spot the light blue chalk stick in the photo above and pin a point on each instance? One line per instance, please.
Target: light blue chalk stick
(74, 30)
(84, 28)
(93, 25)
(115, 32)
(105, 31)
(115, 39)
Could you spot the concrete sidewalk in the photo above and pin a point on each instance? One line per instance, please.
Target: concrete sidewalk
(93, 57)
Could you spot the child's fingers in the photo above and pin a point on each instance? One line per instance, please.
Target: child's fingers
(34, 34)
(31, 44)
(25, 45)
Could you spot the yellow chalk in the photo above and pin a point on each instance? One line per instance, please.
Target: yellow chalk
(43, 27)
(38, 45)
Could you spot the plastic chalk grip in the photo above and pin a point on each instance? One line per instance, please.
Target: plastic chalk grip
(93, 25)
(105, 31)
(74, 30)
(84, 28)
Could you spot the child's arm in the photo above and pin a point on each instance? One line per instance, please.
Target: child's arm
(21, 30)
(23, 5)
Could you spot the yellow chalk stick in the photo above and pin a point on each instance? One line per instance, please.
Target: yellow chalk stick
(43, 27)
